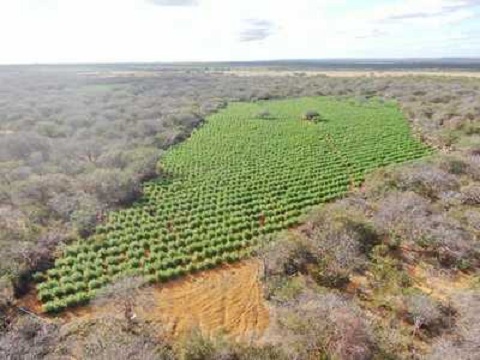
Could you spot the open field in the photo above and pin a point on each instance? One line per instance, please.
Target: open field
(125, 74)
(240, 177)
(355, 73)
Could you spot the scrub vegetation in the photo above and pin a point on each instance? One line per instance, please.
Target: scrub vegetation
(236, 179)
(97, 180)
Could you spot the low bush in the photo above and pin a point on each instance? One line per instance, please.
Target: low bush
(28, 338)
(334, 243)
(195, 346)
(471, 194)
(288, 255)
(401, 215)
(464, 342)
(454, 165)
(424, 313)
(411, 219)
(427, 180)
(326, 326)
(311, 115)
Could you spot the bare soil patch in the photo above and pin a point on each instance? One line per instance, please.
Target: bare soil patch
(227, 300)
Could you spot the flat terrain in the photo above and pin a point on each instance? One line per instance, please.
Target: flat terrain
(226, 300)
(355, 73)
(284, 73)
(251, 171)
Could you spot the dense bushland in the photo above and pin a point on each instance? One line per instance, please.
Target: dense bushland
(73, 146)
(359, 254)
(366, 251)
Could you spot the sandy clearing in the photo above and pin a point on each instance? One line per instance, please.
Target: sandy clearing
(227, 300)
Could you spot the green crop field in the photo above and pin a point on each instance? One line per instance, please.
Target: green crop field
(237, 178)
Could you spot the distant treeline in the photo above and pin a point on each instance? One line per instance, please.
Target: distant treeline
(444, 64)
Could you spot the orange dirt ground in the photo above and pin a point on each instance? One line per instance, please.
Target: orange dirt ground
(227, 301)
(438, 286)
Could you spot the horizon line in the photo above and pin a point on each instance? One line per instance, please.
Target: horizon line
(192, 62)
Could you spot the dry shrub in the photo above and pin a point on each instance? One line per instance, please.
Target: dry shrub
(283, 259)
(124, 296)
(471, 194)
(424, 313)
(407, 217)
(452, 244)
(137, 348)
(472, 218)
(474, 155)
(450, 199)
(454, 165)
(427, 180)
(339, 254)
(28, 338)
(444, 349)
(464, 344)
(473, 160)
(402, 214)
(6, 302)
(345, 218)
(287, 256)
(35, 257)
(467, 304)
(326, 326)
(106, 338)
(195, 346)
(465, 163)
(333, 243)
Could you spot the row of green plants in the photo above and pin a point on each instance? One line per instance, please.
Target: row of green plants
(236, 179)
(59, 297)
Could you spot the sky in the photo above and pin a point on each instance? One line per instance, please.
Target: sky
(89, 31)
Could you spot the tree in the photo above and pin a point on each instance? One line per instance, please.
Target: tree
(311, 115)
(113, 186)
(124, 296)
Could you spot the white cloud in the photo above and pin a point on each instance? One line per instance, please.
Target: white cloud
(156, 30)
(256, 30)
